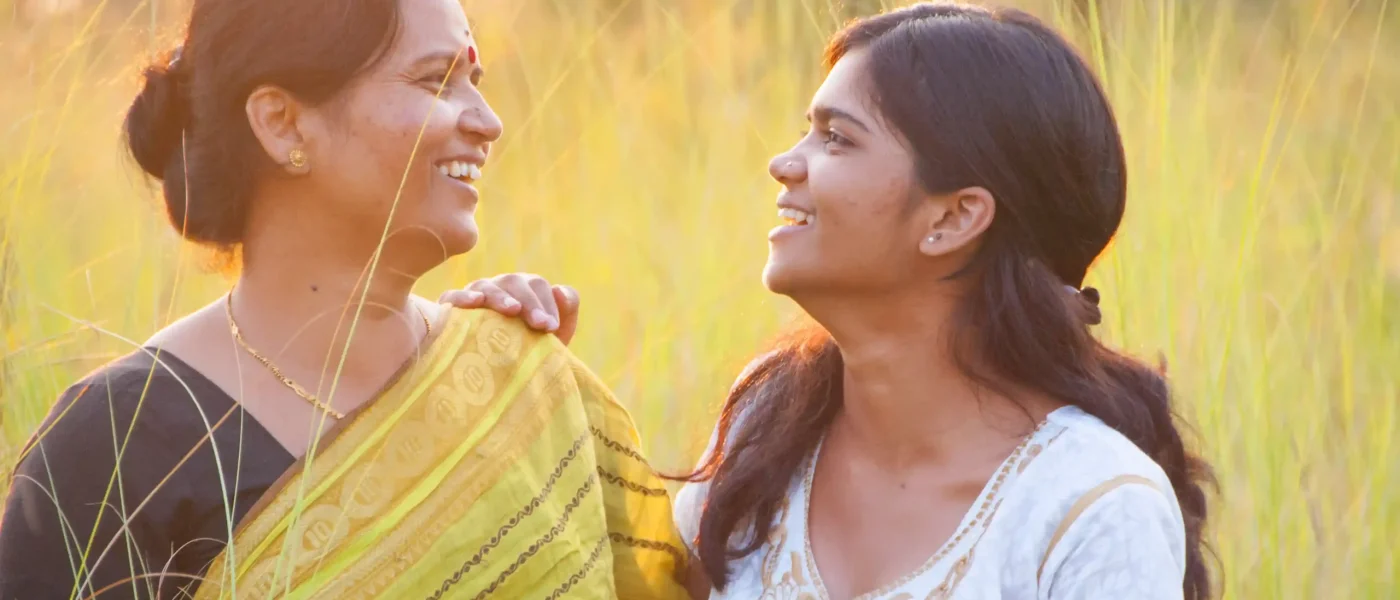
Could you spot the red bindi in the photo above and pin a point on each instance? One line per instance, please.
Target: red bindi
(471, 55)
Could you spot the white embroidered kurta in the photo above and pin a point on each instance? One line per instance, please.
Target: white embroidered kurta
(1082, 513)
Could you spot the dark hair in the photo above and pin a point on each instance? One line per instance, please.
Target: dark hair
(991, 98)
(188, 126)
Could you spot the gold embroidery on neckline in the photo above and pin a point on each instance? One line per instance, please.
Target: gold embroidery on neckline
(950, 585)
(777, 539)
(982, 517)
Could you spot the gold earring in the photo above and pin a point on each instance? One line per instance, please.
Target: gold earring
(297, 157)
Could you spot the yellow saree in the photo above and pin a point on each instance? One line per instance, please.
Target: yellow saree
(496, 466)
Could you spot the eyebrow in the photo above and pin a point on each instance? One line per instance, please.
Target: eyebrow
(828, 113)
(451, 57)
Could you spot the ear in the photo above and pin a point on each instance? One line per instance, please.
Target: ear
(958, 221)
(274, 115)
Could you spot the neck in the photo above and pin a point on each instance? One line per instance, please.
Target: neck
(906, 398)
(309, 294)
(293, 237)
(302, 292)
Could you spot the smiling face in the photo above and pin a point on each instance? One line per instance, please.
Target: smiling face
(850, 199)
(408, 137)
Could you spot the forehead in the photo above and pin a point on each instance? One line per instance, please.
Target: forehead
(846, 87)
(432, 26)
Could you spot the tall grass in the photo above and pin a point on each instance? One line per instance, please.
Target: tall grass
(1260, 256)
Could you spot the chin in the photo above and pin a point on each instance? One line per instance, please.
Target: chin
(460, 240)
(455, 230)
(779, 278)
(810, 279)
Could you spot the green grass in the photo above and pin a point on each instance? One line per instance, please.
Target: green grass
(1260, 255)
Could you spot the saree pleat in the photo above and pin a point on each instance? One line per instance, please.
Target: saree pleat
(497, 466)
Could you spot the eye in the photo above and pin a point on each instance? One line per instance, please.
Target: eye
(436, 81)
(831, 137)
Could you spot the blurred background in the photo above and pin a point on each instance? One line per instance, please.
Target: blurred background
(1260, 256)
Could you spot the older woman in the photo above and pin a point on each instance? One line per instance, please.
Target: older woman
(320, 431)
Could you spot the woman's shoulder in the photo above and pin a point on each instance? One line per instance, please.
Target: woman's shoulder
(116, 420)
(508, 344)
(501, 338)
(152, 372)
(127, 371)
(1086, 497)
(125, 381)
(1083, 452)
(135, 391)
(1079, 465)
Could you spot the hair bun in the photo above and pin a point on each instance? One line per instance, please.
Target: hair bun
(1090, 294)
(1086, 302)
(157, 118)
(1089, 302)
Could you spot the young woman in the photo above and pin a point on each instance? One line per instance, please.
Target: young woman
(321, 431)
(952, 428)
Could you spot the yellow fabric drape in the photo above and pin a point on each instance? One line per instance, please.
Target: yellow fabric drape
(497, 466)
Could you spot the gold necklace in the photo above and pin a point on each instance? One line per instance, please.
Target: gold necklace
(300, 391)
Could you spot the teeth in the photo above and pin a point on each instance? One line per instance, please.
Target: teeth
(796, 217)
(460, 170)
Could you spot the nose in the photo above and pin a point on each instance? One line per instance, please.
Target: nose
(480, 123)
(789, 168)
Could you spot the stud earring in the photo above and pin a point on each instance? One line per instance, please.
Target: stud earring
(297, 157)
(935, 238)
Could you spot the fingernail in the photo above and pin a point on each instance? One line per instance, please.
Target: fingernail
(510, 303)
(539, 318)
(475, 296)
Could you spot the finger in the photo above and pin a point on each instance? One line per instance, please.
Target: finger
(567, 299)
(466, 298)
(500, 300)
(568, 302)
(548, 312)
(532, 307)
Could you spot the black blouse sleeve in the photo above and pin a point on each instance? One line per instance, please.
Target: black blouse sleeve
(88, 511)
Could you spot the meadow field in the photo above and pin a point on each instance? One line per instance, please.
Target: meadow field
(1260, 255)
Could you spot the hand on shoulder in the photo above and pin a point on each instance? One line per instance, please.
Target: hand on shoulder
(541, 305)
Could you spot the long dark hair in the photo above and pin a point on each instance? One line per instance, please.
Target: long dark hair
(991, 98)
(188, 125)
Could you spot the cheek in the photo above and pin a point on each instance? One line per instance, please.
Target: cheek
(857, 198)
(386, 139)
(393, 128)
